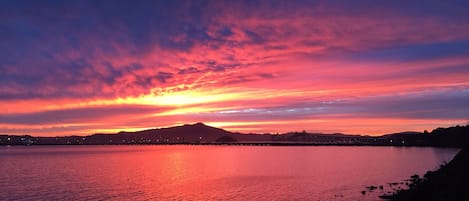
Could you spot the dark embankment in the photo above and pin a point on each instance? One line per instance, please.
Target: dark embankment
(449, 183)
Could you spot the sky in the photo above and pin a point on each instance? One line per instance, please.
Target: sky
(357, 67)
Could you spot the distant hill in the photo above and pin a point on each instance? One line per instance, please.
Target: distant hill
(457, 136)
(200, 133)
(189, 133)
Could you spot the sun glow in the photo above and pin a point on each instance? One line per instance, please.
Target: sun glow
(116, 130)
(181, 99)
(185, 98)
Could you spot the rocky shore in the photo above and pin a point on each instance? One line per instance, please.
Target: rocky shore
(449, 183)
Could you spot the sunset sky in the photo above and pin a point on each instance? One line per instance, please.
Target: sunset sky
(358, 67)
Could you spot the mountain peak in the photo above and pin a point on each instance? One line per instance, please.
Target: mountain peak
(199, 124)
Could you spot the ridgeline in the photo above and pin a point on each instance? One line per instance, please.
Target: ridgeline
(200, 133)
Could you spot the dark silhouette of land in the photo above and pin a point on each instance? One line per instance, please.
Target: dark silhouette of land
(200, 133)
(450, 182)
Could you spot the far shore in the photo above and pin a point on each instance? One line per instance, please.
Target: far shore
(201, 134)
(235, 144)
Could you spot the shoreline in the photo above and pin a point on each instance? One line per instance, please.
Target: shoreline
(233, 144)
(449, 182)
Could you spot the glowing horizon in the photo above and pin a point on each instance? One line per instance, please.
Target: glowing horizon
(257, 66)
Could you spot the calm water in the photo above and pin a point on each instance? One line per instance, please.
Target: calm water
(207, 172)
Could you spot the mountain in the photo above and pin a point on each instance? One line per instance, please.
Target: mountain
(189, 133)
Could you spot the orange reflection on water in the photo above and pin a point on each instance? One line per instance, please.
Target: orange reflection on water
(207, 172)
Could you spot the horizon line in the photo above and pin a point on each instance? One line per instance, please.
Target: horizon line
(271, 133)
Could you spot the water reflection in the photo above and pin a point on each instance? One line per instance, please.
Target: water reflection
(206, 172)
